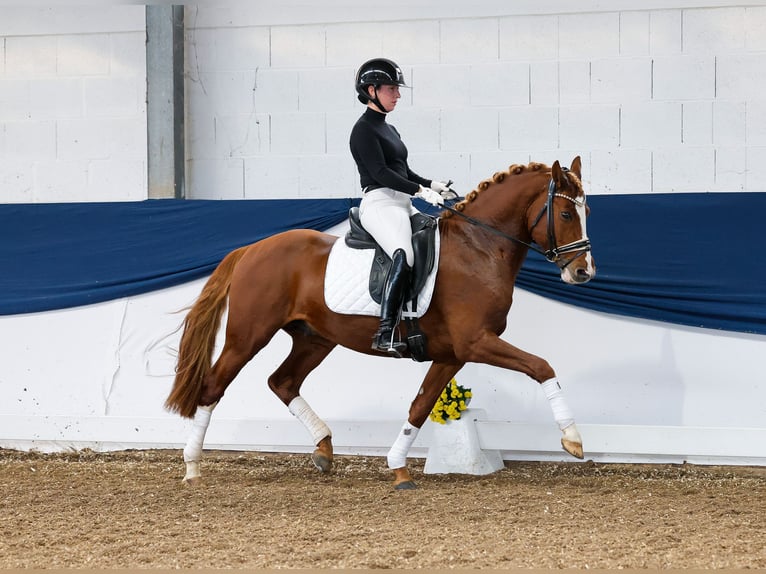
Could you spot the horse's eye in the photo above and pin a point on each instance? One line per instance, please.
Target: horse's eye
(566, 216)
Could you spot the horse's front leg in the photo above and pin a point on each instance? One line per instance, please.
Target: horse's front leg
(490, 349)
(434, 382)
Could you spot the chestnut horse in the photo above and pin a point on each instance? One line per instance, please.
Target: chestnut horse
(278, 283)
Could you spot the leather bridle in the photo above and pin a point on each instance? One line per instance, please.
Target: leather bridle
(554, 252)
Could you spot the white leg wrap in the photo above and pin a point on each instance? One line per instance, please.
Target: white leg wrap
(397, 456)
(561, 411)
(193, 448)
(304, 413)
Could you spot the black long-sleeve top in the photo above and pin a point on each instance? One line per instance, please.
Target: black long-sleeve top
(381, 155)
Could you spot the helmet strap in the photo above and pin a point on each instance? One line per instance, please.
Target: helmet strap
(376, 101)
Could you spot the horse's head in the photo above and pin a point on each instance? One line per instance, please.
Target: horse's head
(557, 224)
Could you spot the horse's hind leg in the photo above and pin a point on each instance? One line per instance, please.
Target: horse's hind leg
(308, 351)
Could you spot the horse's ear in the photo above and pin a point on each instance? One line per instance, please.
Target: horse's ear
(576, 166)
(557, 175)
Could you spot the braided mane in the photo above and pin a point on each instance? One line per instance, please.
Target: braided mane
(514, 169)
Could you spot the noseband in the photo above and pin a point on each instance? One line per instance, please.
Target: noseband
(554, 252)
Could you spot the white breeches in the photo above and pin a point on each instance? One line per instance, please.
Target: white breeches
(385, 214)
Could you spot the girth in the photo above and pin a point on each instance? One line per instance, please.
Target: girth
(423, 237)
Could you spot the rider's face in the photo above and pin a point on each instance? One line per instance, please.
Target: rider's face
(388, 96)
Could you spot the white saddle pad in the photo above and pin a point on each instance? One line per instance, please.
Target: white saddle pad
(347, 282)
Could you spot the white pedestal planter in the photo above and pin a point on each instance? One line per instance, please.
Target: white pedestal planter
(455, 448)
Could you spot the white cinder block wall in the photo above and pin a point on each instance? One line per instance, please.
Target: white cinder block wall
(659, 97)
(668, 99)
(72, 104)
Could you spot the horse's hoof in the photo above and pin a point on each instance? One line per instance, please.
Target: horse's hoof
(321, 461)
(192, 481)
(406, 485)
(573, 448)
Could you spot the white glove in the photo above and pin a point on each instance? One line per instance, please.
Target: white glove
(429, 195)
(440, 186)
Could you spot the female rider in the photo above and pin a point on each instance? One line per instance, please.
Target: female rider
(388, 185)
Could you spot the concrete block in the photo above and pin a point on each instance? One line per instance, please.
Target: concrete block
(339, 124)
(522, 128)
(755, 28)
(113, 96)
(233, 92)
(14, 99)
(30, 56)
(16, 181)
(272, 177)
(87, 55)
(420, 128)
(117, 180)
(577, 39)
(414, 42)
(740, 77)
(474, 129)
(30, 140)
(684, 78)
(242, 48)
(730, 169)
(241, 135)
(299, 133)
(620, 171)
(297, 46)
(499, 84)
(217, 179)
(459, 43)
(665, 32)
(444, 166)
(589, 127)
(200, 52)
(455, 448)
(484, 164)
(276, 90)
(755, 130)
(755, 177)
(574, 82)
(101, 138)
(56, 180)
(697, 123)
(544, 83)
(621, 80)
(729, 123)
(683, 169)
(56, 98)
(350, 44)
(327, 176)
(51, 19)
(528, 38)
(654, 124)
(634, 33)
(326, 90)
(128, 57)
(714, 30)
(433, 86)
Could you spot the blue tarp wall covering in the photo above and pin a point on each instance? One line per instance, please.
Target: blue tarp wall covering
(692, 259)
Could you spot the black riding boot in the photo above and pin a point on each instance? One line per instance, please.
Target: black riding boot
(391, 305)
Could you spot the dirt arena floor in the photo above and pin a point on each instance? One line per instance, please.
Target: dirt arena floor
(130, 510)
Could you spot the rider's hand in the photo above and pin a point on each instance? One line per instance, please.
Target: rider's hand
(429, 195)
(440, 186)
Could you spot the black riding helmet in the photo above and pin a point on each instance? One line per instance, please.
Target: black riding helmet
(377, 72)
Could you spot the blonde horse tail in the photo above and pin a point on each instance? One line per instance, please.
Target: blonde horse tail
(200, 328)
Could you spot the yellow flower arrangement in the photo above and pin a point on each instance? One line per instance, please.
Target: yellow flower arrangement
(453, 401)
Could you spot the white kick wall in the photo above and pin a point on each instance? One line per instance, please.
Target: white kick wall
(655, 96)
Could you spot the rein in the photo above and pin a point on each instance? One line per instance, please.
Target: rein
(552, 254)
